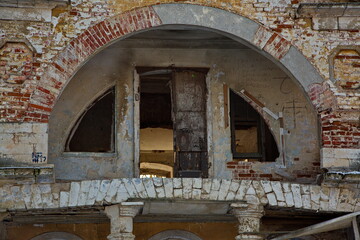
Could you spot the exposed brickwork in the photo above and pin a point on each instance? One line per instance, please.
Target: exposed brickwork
(81, 48)
(347, 69)
(245, 170)
(338, 130)
(271, 42)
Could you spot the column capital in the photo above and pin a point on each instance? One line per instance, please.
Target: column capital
(124, 209)
(121, 219)
(247, 210)
(249, 216)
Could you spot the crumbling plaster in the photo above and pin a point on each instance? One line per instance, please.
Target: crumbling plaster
(69, 21)
(238, 68)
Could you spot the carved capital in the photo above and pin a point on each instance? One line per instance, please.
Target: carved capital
(249, 216)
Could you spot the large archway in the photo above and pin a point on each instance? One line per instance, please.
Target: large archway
(232, 63)
(97, 37)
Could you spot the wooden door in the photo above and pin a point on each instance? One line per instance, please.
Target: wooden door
(189, 117)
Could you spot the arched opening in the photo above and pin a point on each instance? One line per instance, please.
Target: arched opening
(175, 235)
(231, 64)
(57, 236)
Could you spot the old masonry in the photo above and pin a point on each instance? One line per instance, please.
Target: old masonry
(186, 120)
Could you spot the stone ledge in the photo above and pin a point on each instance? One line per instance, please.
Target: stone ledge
(32, 3)
(331, 16)
(90, 193)
(309, 10)
(33, 174)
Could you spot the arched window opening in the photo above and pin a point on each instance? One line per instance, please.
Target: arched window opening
(251, 138)
(94, 130)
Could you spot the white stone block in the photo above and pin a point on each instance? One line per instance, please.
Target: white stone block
(324, 193)
(252, 199)
(84, 190)
(187, 187)
(324, 206)
(306, 202)
(286, 187)
(197, 183)
(157, 182)
(74, 194)
(64, 199)
(305, 189)
(160, 192)
(295, 189)
(168, 187)
(44, 188)
(276, 186)
(139, 186)
(122, 194)
(150, 188)
(214, 194)
(93, 192)
(196, 193)
(206, 185)
(230, 196)
(130, 188)
(178, 193)
(224, 188)
(112, 191)
(315, 193)
(272, 199)
(244, 186)
(104, 187)
(215, 184)
(26, 195)
(266, 186)
(177, 182)
(289, 199)
(234, 186)
(333, 199)
(36, 196)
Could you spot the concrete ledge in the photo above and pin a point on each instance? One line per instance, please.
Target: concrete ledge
(340, 158)
(331, 16)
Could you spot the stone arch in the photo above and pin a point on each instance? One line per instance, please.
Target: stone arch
(175, 234)
(102, 34)
(56, 236)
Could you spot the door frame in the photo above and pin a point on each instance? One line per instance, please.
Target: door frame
(136, 118)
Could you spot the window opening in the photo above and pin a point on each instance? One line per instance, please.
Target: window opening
(94, 130)
(251, 137)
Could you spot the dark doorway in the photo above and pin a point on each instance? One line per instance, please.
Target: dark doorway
(173, 129)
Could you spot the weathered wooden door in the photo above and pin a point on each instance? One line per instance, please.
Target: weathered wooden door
(189, 117)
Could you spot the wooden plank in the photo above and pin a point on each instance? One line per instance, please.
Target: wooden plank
(136, 97)
(190, 131)
(226, 105)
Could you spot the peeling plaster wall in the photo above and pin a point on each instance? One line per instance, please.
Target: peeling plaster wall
(32, 99)
(238, 68)
(23, 144)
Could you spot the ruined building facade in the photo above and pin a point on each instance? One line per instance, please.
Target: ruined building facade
(165, 119)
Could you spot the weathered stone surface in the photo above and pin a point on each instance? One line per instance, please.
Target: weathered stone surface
(244, 186)
(295, 188)
(149, 186)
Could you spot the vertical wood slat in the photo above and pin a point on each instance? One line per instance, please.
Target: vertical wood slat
(226, 105)
(136, 99)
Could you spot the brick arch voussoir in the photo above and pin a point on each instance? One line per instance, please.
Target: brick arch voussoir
(96, 37)
(79, 50)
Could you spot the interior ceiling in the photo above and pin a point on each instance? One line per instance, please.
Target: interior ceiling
(185, 37)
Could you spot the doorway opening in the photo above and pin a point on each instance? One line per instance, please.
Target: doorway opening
(156, 125)
(172, 126)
